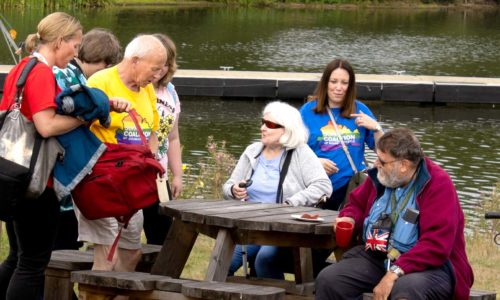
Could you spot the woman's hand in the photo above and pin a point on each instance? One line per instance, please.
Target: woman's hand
(176, 186)
(329, 166)
(364, 120)
(119, 104)
(239, 192)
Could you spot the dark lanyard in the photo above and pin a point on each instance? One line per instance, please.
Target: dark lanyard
(395, 212)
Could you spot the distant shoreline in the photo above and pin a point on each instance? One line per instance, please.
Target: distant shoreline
(479, 5)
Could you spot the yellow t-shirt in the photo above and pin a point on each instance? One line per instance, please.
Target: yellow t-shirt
(122, 129)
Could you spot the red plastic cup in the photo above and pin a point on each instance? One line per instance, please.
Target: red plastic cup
(343, 233)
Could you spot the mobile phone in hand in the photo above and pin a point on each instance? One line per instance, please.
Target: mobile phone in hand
(245, 184)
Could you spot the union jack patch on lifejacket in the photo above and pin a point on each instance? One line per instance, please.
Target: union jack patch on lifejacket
(377, 240)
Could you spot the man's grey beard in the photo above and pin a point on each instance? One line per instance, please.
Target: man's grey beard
(390, 179)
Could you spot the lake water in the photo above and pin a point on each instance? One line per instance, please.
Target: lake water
(465, 140)
(377, 41)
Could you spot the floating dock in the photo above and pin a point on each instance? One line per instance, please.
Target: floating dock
(285, 85)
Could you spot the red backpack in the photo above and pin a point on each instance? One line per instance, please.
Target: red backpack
(122, 182)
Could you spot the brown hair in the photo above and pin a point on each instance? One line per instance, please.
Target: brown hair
(171, 53)
(100, 45)
(51, 28)
(321, 92)
(401, 143)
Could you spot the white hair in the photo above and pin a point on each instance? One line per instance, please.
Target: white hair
(142, 45)
(296, 133)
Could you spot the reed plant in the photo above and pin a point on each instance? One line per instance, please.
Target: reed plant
(205, 178)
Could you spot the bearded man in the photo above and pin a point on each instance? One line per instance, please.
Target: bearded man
(410, 229)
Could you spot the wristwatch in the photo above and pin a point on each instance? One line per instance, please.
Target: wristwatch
(396, 270)
(377, 128)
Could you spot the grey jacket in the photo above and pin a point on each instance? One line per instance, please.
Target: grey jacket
(305, 182)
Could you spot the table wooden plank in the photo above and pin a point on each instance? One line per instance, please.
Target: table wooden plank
(289, 286)
(223, 216)
(176, 249)
(281, 221)
(288, 224)
(262, 219)
(229, 220)
(220, 259)
(223, 290)
(197, 214)
(176, 207)
(284, 239)
(324, 228)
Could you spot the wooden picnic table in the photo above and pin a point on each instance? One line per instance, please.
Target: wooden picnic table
(233, 222)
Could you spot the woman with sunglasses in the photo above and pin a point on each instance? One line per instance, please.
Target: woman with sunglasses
(264, 165)
(335, 97)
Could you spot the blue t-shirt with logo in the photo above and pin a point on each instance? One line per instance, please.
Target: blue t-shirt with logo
(324, 142)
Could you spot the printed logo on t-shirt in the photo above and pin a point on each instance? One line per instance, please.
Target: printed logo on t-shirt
(128, 133)
(329, 140)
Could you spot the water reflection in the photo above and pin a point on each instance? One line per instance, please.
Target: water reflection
(379, 41)
(464, 140)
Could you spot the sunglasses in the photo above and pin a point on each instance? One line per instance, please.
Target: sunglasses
(271, 125)
(383, 163)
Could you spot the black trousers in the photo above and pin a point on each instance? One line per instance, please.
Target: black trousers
(360, 271)
(67, 232)
(156, 226)
(31, 237)
(320, 255)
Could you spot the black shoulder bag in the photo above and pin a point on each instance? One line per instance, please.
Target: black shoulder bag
(284, 170)
(19, 147)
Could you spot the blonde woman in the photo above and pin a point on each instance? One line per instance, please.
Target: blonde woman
(32, 231)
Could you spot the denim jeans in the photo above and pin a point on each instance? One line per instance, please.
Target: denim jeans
(270, 261)
(31, 237)
(237, 260)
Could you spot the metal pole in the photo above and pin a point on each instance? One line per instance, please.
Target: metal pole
(244, 255)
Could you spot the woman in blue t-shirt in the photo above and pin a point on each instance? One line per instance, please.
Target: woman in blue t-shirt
(356, 125)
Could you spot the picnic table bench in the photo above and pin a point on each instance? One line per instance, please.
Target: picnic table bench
(137, 285)
(58, 283)
(474, 295)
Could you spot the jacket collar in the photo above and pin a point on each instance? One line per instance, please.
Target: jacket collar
(423, 176)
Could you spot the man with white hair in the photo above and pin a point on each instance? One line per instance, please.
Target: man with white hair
(131, 79)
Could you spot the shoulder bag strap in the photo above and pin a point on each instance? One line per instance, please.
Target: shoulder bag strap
(344, 147)
(21, 81)
(20, 87)
(284, 170)
(133, 115)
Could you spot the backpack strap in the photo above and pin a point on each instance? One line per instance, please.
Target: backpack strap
(122, 223)
(284, 170)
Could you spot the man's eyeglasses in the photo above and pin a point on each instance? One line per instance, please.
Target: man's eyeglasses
(383, 163)
(271, 125)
